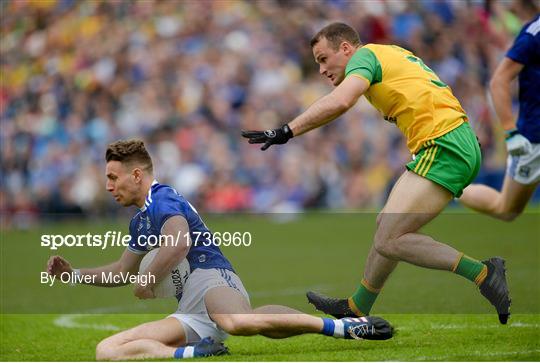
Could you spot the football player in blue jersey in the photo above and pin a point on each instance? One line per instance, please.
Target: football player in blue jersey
(522, 137)
(213, 302)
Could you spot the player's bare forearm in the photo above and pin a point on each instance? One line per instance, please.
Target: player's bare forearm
(502, 101)
(324, 110)
(165, 260)
(331, 106)
(170, 254)
(500, 87)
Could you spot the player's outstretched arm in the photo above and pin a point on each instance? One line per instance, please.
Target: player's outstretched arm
(500, 87)
(128, 263)
(331, 106)
(324, 110)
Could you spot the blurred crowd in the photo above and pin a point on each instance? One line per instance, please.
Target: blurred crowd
(187, 76)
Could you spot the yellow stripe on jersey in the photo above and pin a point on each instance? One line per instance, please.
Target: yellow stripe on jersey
(407, 93)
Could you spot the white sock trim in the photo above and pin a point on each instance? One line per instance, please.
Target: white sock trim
(188, 352)
(339, 329)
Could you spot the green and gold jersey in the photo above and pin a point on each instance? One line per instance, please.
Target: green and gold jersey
(407, 93)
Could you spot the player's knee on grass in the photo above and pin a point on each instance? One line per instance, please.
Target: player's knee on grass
(105, 350)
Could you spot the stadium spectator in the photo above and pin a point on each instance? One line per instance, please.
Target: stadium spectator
(187, 76)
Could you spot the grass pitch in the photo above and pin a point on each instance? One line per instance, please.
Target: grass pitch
(426, 337)
(439, 316)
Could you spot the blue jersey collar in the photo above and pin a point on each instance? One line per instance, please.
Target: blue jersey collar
(148, 199)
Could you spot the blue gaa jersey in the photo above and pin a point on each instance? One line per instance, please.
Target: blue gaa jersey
(163, 202)
(526, 50)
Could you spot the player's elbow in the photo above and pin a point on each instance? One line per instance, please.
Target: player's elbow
(494, 84)
(508, 216)
(344, 104)
(499, 81)
(341, 102)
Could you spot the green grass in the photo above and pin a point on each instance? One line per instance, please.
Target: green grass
(439, 316)
(430, 337)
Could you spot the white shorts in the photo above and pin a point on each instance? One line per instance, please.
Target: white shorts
(192, 309)
(525, 169)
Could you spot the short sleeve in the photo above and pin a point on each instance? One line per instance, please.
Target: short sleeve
(523, 49)
(133, 245)
(364, 63)
(165, 206)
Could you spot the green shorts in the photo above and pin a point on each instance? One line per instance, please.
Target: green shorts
(452, 160)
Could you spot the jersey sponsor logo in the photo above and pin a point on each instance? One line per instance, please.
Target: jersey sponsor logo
(534, 28)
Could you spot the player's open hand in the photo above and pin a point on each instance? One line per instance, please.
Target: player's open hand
(143, 292)
(269, 137)
(58, 265)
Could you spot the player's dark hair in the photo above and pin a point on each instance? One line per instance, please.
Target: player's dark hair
(336, 33)
(129, 152)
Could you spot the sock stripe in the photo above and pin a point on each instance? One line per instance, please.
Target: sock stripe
(184, 352)
(473, 270)
(339, 329)
(354, 308)
(457, 262)
(189, 352)
(369, 287)
(481, 276)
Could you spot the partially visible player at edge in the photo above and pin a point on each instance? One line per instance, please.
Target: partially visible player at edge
(214, 301)
(522, 139)
(446, 159)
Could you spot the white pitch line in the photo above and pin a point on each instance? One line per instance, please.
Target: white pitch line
(68, 321)
(470, 326)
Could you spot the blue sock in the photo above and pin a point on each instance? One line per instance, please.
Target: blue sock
(329, 326)
(333, 328)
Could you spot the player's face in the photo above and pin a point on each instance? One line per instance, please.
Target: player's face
(332, 63)
(121, 183)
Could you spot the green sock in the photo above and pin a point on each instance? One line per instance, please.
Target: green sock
(471, 269)
(363, 299)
